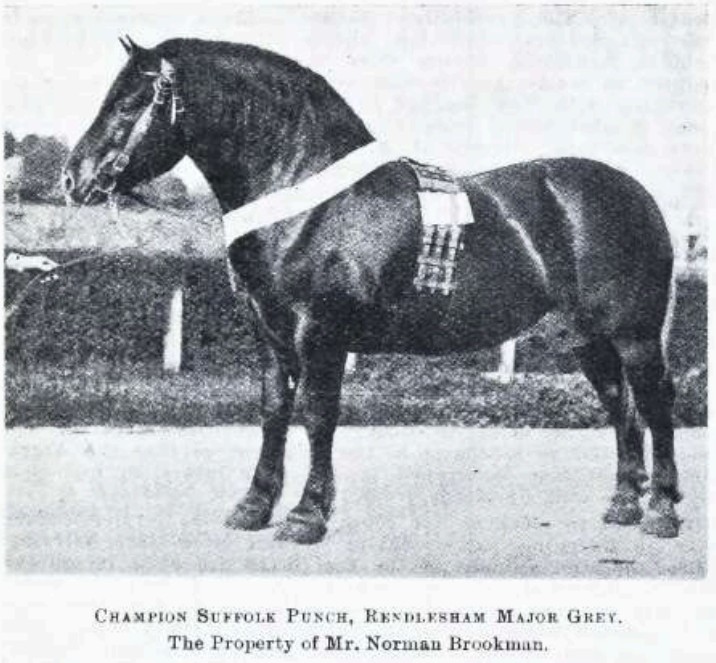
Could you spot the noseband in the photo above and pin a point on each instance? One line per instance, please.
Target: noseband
(165, 89)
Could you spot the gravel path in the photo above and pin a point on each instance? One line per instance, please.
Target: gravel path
(411, 501)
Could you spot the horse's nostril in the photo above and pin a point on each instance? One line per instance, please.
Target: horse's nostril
(68, 182)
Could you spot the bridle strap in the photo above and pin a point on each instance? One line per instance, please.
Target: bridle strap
(139, 131)
(164, 88)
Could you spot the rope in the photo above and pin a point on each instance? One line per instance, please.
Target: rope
(46, 277)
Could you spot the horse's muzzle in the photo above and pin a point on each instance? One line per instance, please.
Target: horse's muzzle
(86, 191)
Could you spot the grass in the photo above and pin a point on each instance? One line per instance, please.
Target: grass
(42, 226)
(405, 391)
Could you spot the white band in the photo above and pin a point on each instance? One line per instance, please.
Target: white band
(311, 192)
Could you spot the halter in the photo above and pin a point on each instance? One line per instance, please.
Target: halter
(164, 89)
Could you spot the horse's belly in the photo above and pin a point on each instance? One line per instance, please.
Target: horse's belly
(434, 323)
(499, 290)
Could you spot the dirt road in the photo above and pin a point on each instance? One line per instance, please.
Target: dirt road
(411, 501)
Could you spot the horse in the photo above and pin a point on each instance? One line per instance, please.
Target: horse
(566, 235)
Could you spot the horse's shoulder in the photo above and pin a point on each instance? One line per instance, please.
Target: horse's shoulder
(390, 190)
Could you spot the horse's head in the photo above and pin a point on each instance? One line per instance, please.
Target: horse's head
(136, 135)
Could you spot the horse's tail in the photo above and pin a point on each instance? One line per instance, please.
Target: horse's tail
(669, 317)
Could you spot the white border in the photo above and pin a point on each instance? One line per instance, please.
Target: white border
(49, 618)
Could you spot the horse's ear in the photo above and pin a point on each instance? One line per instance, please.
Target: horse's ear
(130, 46)
(126, 46)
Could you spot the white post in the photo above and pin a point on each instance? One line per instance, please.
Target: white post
(506, 371)
(113, 207)
(351, 361)
(173, 335)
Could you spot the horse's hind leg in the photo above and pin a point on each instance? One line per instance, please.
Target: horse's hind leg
(277, 395)
(603, 367)
(654, 394)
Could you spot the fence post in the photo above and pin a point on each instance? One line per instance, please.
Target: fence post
(173, 335)
(351, 363)
(506, 371)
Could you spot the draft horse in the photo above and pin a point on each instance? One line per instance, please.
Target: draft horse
(568, 235)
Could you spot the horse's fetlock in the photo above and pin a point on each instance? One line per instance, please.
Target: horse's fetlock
(267, 488)
(663, 496)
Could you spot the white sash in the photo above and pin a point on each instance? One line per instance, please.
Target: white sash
(311, 192)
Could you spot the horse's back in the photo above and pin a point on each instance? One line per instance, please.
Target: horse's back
(595, 200)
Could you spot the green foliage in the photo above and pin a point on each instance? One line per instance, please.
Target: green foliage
(691, 408)
(9, 144)
(113, 309)
(87, 349)
(42, 160)
(688, 337)
(398, 393)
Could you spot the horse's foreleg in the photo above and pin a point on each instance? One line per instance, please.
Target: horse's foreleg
(322, 364)
(603, 367)
(654, 394)
(277, 395)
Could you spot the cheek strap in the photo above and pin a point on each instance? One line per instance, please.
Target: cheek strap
(164, 89)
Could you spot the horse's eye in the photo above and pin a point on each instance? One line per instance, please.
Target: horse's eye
(118, 135)
(125, 108)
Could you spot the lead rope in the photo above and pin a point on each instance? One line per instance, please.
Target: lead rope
(47, 277)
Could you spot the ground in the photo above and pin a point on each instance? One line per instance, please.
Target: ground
(428, 501)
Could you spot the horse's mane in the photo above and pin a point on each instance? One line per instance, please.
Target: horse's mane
(272, 77)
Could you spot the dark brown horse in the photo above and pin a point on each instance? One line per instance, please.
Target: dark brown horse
(568, 235)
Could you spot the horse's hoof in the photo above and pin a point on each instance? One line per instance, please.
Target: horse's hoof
(249, 516)
(661, 525)
(624, 510)
(300, 528)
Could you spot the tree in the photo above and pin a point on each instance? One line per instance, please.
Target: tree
(10, 144)
(13, 168)
(43, 159)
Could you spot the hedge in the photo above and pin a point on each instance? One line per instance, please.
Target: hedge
(112, 308)
(394, 392)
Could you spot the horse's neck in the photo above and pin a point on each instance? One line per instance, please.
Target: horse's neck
(270, 152)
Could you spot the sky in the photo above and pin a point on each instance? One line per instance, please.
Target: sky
(468, 88)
